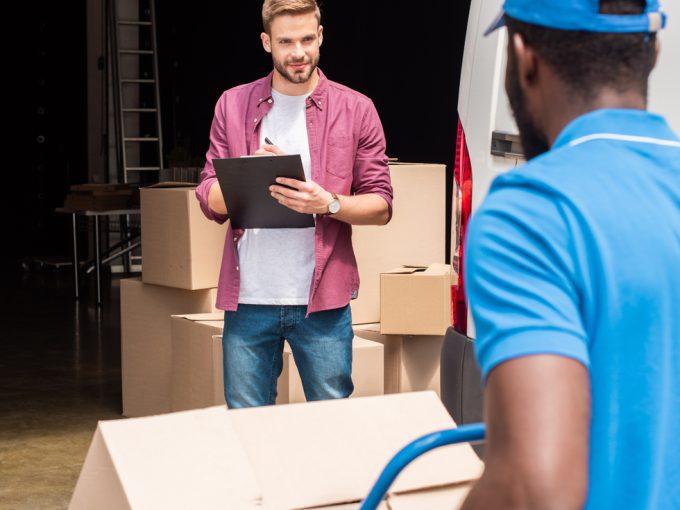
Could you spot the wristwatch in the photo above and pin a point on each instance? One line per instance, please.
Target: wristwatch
(334, 205)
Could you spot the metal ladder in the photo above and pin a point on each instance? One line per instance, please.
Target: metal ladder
(136, 93)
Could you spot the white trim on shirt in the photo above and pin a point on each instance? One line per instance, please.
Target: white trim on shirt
(624, 138)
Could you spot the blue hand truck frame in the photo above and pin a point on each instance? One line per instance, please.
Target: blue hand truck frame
(413, 450)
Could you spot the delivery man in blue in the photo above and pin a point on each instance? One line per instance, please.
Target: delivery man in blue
(573, 270)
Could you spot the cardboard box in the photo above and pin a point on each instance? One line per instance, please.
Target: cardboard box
(297, 456)
(197, 367)
(415, 235)
(412, 362)
(367, 373)
(416, 300)
(145, 312)
(181, 248)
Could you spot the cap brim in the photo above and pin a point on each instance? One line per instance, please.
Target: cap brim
(498, 22)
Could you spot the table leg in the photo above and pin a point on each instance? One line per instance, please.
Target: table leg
(97, 260)
(76, 266)
(124, 235)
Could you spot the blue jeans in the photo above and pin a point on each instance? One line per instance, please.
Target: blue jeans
(253, 352)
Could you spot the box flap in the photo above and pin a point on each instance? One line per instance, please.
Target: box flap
(405, 270)
(442, 498)
(438, 269)
(181, 460)
(434, 269)
(363, 343)
(157, 457)
(213, 324)
(372, 326)
(98, 477)
(322, 453)
(209, 316)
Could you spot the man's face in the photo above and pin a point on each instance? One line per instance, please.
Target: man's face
(294, 44)
(534, 141)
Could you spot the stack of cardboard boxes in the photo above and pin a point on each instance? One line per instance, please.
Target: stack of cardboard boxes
(171, 348)
(181, 253)
(405, 296)
(170, 328)
(197, 373)
(316, 455)
(415, 310)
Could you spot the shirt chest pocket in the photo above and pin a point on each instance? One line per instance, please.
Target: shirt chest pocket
(340, 154)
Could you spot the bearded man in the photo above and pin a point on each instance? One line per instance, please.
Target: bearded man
(295, 284)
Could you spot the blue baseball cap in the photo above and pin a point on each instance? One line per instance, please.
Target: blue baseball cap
(579, 15)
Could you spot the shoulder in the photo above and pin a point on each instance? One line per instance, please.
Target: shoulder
(573, 173)
(549, 171)
(244, 90)
(524, 215)
(340, 92)
(517, 219)
(529, 192)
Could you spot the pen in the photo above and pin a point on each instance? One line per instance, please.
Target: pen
(268, 141)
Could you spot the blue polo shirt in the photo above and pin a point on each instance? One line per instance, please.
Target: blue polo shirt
(577, 253)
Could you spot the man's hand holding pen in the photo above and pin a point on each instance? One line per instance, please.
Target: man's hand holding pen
(302, 196)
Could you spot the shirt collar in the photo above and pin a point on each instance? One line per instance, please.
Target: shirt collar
(615, 121)
(316, 98)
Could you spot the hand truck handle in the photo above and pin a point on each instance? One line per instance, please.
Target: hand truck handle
(462, 434)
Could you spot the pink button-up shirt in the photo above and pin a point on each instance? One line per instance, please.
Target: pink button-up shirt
(347, 149)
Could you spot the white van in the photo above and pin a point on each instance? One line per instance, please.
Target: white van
(488, 140)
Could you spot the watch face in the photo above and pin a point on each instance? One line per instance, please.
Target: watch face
(334, 206)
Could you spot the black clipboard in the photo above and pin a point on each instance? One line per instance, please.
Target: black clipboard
(245, 186)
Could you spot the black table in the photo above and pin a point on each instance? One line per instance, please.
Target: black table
(122, 248)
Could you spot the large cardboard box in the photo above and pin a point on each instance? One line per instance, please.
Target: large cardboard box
(412, 362)
(145, 312)
(416, 234)
(297, 456)
(197, 368)
(180, 247)
(416, 300)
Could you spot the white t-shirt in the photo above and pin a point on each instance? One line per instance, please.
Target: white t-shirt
(277, 264)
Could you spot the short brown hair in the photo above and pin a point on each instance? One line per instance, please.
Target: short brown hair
(273, 8)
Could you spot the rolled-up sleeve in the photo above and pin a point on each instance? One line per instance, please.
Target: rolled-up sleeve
(219, 148)
(371, 172)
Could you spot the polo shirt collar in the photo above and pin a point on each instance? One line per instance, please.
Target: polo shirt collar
(615, 121)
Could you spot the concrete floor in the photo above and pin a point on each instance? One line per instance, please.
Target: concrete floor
(59, 375)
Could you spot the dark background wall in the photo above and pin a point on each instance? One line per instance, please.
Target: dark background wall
(45, 127)
(406, 56)
(406, 59)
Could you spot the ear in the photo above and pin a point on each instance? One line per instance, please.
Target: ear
(320, 34)
(527, 61)
(266, 42)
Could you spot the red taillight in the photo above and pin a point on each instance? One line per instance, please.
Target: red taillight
(462, 208)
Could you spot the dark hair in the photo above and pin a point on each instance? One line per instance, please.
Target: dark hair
(591, 61)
